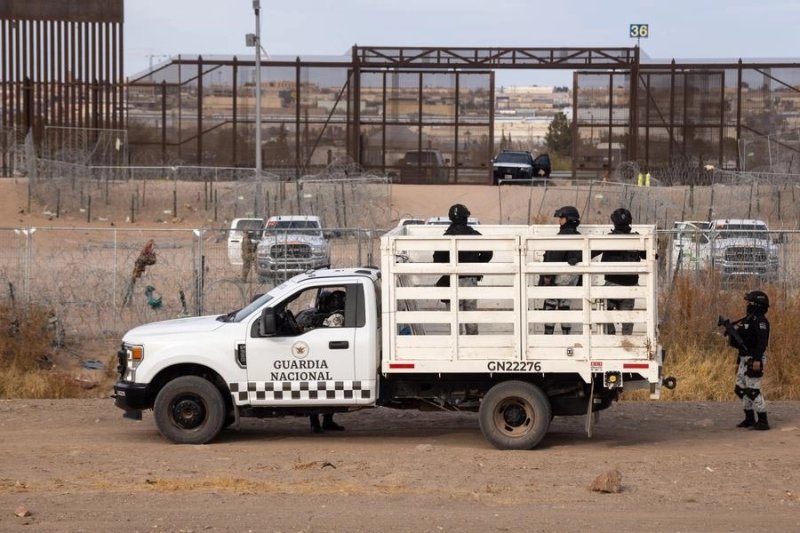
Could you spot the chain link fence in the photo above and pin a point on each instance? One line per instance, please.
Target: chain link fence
(340, 194)
(769, 197)
(86, 277)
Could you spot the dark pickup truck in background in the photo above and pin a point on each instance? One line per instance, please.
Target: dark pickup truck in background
(520, 165)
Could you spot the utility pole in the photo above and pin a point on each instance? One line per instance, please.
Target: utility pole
(254, 40)
(257, 9)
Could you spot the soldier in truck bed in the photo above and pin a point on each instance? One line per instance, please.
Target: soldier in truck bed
(621, 218)
(459, 216)
(568, 219)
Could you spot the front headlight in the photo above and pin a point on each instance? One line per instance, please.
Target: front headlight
(135, 355)
(319, 249)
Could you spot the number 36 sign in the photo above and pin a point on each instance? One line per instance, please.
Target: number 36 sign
(639, 31)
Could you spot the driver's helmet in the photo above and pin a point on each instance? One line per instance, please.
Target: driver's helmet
(334, 301)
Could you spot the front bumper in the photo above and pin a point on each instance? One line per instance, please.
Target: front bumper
(512, 173)
(272, 268)
(131, 396)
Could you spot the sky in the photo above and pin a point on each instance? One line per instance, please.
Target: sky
(680, 29)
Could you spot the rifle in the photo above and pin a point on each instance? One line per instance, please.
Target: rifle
(730, 331)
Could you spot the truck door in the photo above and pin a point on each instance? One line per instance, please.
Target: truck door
(312, 364)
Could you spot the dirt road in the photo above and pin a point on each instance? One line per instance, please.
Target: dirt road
(76, 465)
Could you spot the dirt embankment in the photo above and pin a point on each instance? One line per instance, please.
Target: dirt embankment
(76, 465)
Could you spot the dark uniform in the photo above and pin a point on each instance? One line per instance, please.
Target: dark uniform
(569, 220)
(621, 218)
(754, 332)
(459, 215)
(330, 315)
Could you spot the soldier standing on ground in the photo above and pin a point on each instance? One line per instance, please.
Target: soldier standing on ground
(333, 309)
(753, 330)
(249, 247)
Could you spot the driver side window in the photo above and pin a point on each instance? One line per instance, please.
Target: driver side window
(313, 308)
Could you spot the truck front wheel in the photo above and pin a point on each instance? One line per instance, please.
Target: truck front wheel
(514, 415)
(189, 410)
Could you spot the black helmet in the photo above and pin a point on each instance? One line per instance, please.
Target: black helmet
(458, 212)
(323, 299)
(336, 301)
(758, 300)
(621, 217)
(569, 212)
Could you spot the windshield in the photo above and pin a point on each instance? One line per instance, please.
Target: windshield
(241, 314)
(510, 157)
(743, 231)
(249, 224)
(280, 226)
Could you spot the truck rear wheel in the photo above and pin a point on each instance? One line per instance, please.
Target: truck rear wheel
(189, 410)
(514, 415)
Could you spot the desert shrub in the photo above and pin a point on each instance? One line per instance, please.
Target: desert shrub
(26, 340)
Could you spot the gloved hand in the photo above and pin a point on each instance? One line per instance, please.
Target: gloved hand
(572, 261)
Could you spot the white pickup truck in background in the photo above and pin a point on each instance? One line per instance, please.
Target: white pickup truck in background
(291, 244)
(742, 249)
(401, 347)
(239, 228)
(735, 248)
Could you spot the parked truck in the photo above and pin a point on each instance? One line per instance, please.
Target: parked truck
(403, 346)
(290, 245)
(737, 249)
(743, 249)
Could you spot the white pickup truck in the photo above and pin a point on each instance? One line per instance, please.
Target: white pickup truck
(736, 248)
(400, 346)
(291, 244)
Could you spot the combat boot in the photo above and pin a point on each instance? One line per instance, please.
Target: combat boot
(762, 424)
(315, 427)
(329, 425)
(749, 419)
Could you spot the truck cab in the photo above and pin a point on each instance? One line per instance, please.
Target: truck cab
(239, 228)
(256, 361)
(691, 245)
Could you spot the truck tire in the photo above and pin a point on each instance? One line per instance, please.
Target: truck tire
(514, 415)
(189, 410)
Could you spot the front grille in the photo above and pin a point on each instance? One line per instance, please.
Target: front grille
(291, 251)
(514, 172)
(122, 360)
(746, 254)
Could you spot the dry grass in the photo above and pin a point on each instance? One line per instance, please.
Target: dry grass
(697, 354)
(26, 340)
(700, 357)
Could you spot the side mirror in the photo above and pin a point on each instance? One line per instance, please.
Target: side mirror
(267, 324)
(780, 238)
(447, 162)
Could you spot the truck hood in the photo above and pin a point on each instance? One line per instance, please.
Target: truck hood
(181, 326)
(511, 165)
(292, 238)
